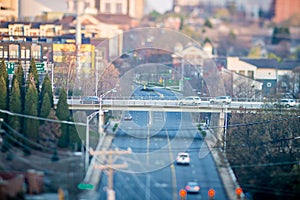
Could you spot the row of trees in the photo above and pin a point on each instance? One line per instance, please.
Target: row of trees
(23, 95)
(267, 162)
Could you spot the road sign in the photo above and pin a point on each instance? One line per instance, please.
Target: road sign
(10, 67)
(85, 186)
(40, 67)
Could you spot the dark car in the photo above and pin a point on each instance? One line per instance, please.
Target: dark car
(90, 100)
(192, 187)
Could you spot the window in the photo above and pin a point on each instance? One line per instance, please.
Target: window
(242, 72)
(5, 54)
(36, 51)
(251, 74)
(13, 51)
(27, 53)
(23, 53)
(107, 8)
(119, 8)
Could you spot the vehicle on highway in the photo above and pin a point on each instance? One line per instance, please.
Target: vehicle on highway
(220, 99)
(128, 117)
(192, 187)
(183, 158)
(90, 100)
(190, 100)
(286, 103)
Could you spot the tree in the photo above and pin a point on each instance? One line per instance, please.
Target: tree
(31, 108)
(19, 75)
(15, 106)
(3, 96)
(280, 34)
(4, 74)
(63, 113)
(108, 79)
(3, 71)
(49, 132)
(207, 23)
(255, 52)
(45, 106)
(47, 89)
(33, 71)
(262, 139)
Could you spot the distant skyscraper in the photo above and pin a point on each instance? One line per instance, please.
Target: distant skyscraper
(284, 9)
(9, 10)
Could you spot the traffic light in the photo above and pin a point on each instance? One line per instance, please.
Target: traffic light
(238, 192)
(182, 194)
(211, 194)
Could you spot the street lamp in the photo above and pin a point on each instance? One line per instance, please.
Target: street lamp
(88, 119)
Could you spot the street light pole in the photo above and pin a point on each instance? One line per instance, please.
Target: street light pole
(88, 119)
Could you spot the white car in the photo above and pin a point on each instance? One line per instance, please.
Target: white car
(285, 103)
(221, 99)
(191, 100)
(183, 158)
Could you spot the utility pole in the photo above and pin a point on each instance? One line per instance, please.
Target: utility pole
(110, 157)
(78, 41)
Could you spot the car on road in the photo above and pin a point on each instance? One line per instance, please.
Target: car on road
(221, 100)
(190, 100)
(128, 117)
(90, 100)
(183, 158)
(285, 103)
(192, 187)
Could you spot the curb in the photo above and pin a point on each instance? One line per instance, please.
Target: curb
(225, 172)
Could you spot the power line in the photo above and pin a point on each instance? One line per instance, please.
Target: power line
(266, 164)
(41, 118)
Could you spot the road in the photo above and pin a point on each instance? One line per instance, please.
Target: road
(155, 138)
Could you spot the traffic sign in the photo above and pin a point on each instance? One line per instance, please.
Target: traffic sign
(10, 67)
(40, 67)
(85, 186)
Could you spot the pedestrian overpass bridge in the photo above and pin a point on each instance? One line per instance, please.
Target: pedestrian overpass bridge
(164, 106)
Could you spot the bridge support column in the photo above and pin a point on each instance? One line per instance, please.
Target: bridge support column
(220, 129)
(101, 122)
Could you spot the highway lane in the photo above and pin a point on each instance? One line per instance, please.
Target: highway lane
(167, 179)
(155, 138)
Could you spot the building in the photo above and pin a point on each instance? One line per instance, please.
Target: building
(29, 9)
(9, 10)
(284, 9)
(272, 74)
(132, 8)
(179, 5)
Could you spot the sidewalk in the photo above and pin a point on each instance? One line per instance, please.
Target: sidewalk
(93, 176)
(227, 176)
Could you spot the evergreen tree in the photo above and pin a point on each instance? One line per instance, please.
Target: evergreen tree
(75, 141)
(31, 102)
(3, 96)
(3, 71)
(4, 74)
(47, 89)
(63, 113)
(33, 71)
(15, 106)
(19, 75)
(45, 106)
